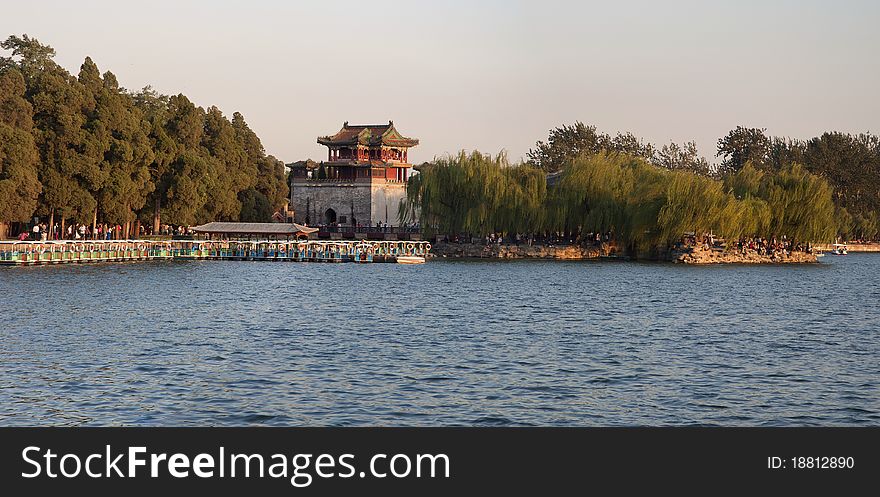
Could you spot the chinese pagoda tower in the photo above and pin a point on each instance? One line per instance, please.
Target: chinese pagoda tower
(360, 184)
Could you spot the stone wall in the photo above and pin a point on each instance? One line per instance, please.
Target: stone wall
(522, 251)
(701, 255)
(311, 200)
(851, 247)
(697, 255)
(367, 202)
(385, 205)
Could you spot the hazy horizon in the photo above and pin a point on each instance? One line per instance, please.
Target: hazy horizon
(491, 75)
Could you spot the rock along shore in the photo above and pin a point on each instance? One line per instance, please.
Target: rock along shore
(522, 251)
(694, 255)
(702, 255)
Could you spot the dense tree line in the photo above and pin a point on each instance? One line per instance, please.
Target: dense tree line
(83, 149)
(570, 141)
(849, 163)
(476, 193)
(646, 207)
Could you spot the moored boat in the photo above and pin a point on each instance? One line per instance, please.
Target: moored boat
(410, 259)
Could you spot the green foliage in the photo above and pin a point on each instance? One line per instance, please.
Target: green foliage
(866, 226)
(746, 182)
(475, 193)
(188, 189)
(693, 204)
(845, 222)
(593, 193)
(646, 207)
(33, 56)
(850, 163)
(801, 206)
(19, 184)
(117, 131)
(84, 148)
(568, 142)
(741, 146)
(228, 171)
(272, 182)
(685, 157)
(255, 207)
(69, 161)
(271, 178)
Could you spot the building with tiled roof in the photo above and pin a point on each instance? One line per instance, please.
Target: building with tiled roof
(368, 135)
(361, 182)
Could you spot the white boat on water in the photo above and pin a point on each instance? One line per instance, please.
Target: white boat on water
(839, 249)
(410, 259)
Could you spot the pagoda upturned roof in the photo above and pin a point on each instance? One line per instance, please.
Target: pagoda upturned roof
(369, 135)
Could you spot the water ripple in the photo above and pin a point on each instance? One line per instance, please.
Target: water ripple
(475, 343)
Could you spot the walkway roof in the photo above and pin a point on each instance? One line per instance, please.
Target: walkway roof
(278, 229)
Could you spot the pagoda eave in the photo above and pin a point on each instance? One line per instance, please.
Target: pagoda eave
(353, 163)
(329, 142)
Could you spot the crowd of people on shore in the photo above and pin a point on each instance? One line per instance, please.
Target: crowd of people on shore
(42, 232)
(759, 245)
(379, 227)
(548, 239)
(772, 246)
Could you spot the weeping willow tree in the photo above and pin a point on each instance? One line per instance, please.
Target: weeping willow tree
(692, 204)
(865, 226)
(746, 182)
(858, 226)
(747, 217)
(790, 202)
(592, 194)
(644, 207)
(801, 205)
(475, 193)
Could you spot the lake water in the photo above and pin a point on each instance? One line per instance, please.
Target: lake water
(445, 343)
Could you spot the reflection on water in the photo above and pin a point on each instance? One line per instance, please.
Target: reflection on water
(446, 343)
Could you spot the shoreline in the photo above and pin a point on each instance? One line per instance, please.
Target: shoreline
(521, 251)
(850, 247)
(705, 256)
(694, 255)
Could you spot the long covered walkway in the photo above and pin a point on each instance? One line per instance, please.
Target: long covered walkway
(75, 251)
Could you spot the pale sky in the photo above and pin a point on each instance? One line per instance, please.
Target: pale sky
(488, 75)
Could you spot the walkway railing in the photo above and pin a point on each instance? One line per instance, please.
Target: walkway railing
(64, 251)
(397, 230)
(74, 251)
